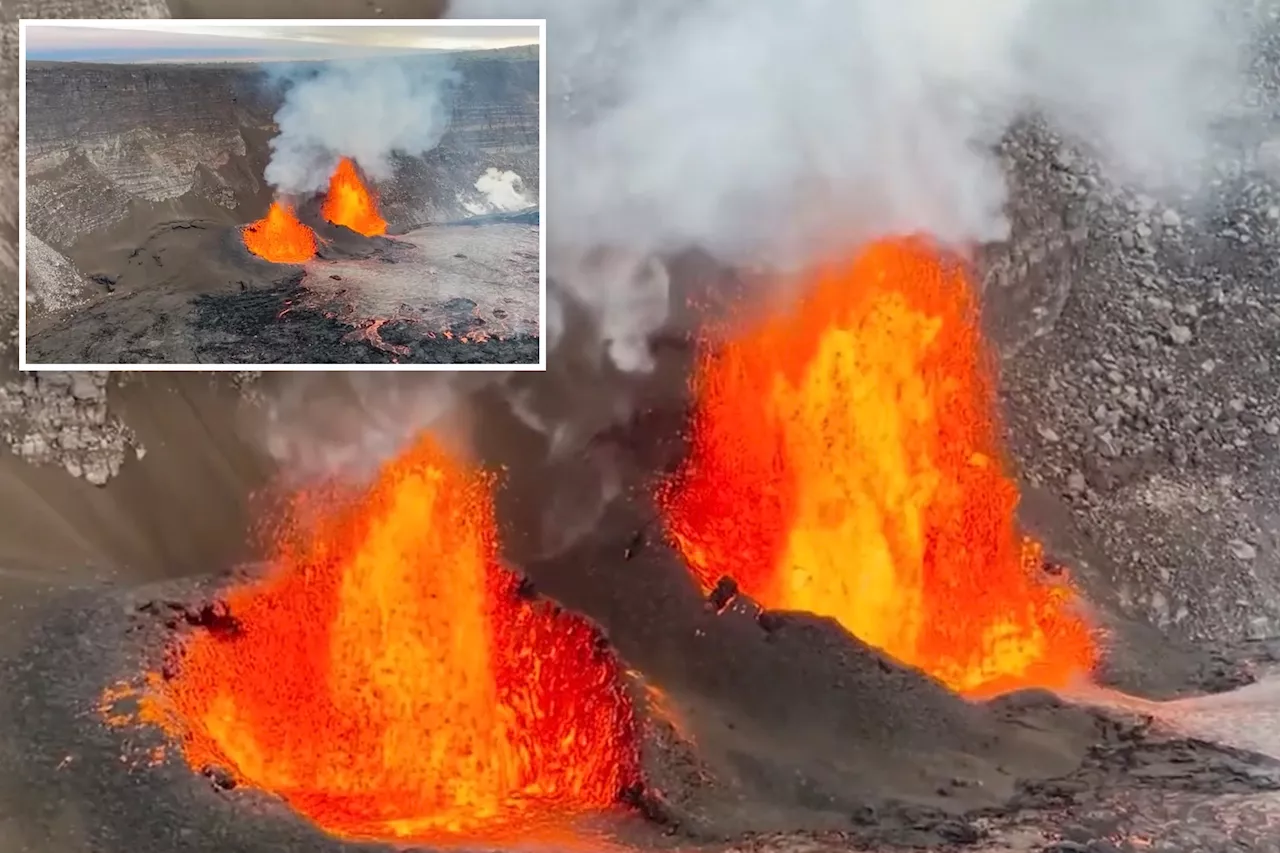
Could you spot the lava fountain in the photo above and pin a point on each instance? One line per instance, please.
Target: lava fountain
(349, 202)
(280, 237)
(845, 460)
(390, 680)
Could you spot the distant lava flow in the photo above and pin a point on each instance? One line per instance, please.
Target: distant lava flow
(349, 202)
(390, 681)
(280, 237)
(845, 461)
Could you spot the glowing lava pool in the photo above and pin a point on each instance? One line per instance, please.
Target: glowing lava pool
(390, 681)
(280, 237)
(845, 461)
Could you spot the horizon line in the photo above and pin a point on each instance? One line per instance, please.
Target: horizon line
(106, 56)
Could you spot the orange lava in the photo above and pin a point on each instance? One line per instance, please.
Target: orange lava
(349, 202)
(390, 682)
(280, 237)
(845, 461)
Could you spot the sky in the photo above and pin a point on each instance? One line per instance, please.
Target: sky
(187, 41)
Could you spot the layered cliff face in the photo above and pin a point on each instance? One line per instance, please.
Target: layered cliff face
(111, 148)
(494, 126)
(115, 150)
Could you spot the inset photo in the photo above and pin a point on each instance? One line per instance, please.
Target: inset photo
(257, 195)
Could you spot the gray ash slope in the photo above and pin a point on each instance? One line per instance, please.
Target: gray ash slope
(121, 156)
(1143, 400)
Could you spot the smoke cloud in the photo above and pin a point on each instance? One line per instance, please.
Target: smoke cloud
(503, 191)
(344, 425)
(368, 110)
(767, 133)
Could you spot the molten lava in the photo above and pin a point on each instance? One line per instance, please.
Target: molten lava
(280, 237)
(349, 202)
(845, 461)
(389, 680)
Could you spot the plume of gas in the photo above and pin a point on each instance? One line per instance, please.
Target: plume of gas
(369, 110)
(502, 190)
(766, 136)
(627, 292)
(767, 133)
(540, 429)
(322, 425)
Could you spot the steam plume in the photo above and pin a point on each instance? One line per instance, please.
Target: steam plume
(770, 133)
(502, 190)
(368, 110)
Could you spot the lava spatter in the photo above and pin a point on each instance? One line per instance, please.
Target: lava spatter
(388, 680)
(280, 237)
(845, 461)
(350, 203)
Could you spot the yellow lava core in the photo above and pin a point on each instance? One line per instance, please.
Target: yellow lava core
(845, 461)
(390, 680)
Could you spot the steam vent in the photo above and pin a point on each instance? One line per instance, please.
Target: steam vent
(925, 544)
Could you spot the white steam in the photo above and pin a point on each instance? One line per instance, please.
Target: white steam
(766, 132)
(368, 110)
(502, 190)
(322, 425)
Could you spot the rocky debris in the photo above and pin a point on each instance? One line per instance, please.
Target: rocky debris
(244, 379)
(49, 419)
(53, 282)
(219, 777)
(211, 614)
(54, 418)
(1140, 380)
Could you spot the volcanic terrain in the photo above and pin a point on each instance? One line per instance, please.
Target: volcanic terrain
(144, 184)
(636, 630)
